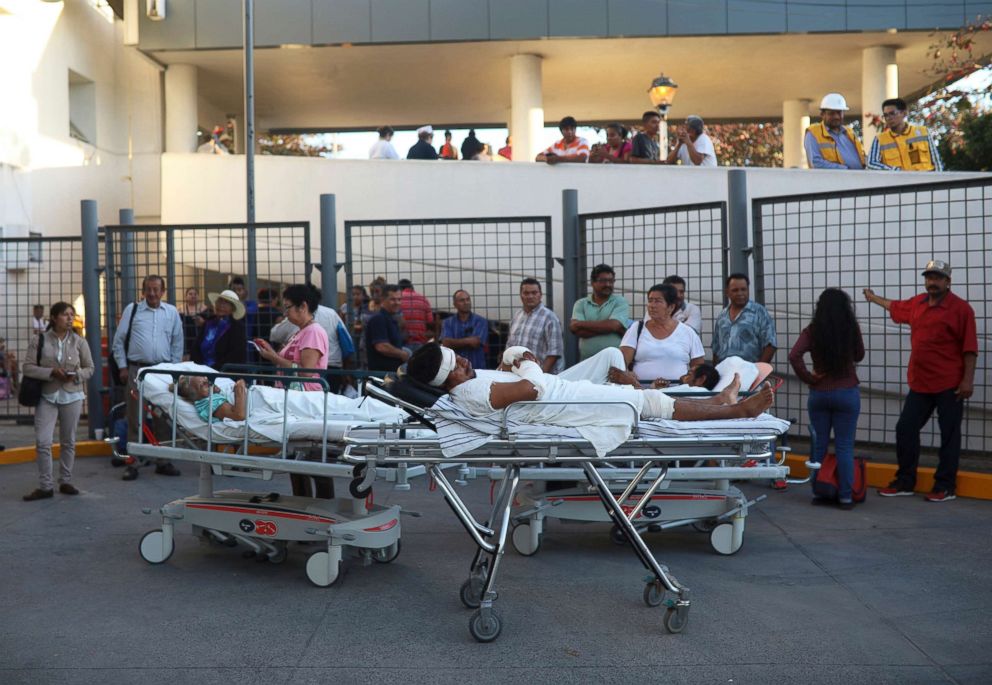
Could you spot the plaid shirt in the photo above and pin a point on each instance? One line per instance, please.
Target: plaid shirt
(540, 332)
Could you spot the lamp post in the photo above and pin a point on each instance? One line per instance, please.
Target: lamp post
(662, 94)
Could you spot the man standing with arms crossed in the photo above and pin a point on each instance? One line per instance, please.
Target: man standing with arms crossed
(150, 332)
(599, 320)
(941, 375)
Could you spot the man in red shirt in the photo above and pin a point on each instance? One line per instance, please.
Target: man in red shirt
(417, 314)
(941, 376)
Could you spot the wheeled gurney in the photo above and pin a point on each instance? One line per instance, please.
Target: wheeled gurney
(526, 449)
(265, 523)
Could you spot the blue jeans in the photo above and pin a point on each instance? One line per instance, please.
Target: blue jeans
(839, 410)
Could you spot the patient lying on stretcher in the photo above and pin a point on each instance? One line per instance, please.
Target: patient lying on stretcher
(592, 404)
(214, 404)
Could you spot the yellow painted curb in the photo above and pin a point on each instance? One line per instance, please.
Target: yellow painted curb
(970, 484)
(85, 448)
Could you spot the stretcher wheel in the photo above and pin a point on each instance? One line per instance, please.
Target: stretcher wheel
(675, 623)
(322, 570)
(617, 536)
(388, 554)
(654, 593)
(722, 539)
(155, 547)
(523, 541)
(485, 629)
(471, 593)
(280, 556)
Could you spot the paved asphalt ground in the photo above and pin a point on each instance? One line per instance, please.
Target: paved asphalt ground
(896, 591)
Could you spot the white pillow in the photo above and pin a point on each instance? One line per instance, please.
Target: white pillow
(728, 367)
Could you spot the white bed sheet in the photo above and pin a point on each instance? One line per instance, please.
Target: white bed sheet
(456, 438)
(155, 388)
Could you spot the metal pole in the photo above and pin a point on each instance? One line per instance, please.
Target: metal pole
(738, 243)
(570, 247)
(128, 257)
(328, 252)
(91, 298)
(249, 69)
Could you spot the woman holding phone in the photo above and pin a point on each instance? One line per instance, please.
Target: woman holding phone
(64, 364)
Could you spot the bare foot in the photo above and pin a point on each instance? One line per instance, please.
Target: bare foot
(758, 402)
(729, 394)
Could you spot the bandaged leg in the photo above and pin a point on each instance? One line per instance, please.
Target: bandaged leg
(596, 368)
(657, 405)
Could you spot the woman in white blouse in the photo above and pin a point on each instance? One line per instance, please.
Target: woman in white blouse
(63, 365)
(659, 349)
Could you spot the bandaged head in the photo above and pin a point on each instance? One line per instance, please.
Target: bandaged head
(448, 364)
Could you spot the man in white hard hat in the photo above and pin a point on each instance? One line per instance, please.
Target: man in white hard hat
(829, 144)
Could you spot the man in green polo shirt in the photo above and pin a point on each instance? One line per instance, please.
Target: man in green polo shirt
(600, 320)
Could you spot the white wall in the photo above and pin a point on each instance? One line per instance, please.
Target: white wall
(44, 172)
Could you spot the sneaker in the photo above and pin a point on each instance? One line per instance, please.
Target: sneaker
(37, 493)
(940, 496)
(68, 489)
(167, 469)
(780, 485)
(845, 506)
(895, 490)
(130, 473)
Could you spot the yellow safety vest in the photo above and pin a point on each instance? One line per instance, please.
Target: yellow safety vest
(828, 148)
(909, 151)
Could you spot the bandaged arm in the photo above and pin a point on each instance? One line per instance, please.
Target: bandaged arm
(531, 371)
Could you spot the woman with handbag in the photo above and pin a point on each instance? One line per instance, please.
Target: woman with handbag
(58, 364)
(833, 341)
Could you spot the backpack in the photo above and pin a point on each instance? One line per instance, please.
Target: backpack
(825, 483)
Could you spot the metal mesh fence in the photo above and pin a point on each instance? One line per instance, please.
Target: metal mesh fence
(645, 245)
(203, 258)
(878, 238)
(486, 257)
(33, 271)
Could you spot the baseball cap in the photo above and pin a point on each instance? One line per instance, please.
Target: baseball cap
(937, 267)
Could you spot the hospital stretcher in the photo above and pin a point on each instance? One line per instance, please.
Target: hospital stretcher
(649, 464)
(263, 522)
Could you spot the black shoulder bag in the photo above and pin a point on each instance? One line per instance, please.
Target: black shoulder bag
(30, 393)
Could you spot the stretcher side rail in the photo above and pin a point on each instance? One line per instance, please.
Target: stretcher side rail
(253, 378)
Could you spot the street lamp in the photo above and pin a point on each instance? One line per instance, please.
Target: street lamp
(662, 94)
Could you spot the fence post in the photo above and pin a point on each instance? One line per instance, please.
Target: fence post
(570, 247)
(738, 243)
(328, 252)
(91, 298)
(128, 256)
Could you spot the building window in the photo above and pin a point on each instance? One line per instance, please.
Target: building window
(82, 108)
(34, 248)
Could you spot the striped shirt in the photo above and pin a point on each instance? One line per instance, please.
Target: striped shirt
(540, 332)
(578, 146)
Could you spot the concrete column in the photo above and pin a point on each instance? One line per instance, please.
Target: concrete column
(526, 107)
(180, 108)
(795, 121)
(879, 81)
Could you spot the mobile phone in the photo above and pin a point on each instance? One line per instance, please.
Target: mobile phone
(255, 345)
(70, 373)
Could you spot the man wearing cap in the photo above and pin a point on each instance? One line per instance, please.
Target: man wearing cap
(829, 144)
(902, 146)
(694, 147)
(941, 376)
(581, 404)
(423, 149)
(149, 332)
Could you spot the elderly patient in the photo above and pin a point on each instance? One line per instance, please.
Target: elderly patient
(212, 401)
(483, 393)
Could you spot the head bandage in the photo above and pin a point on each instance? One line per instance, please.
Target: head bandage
(447, 366)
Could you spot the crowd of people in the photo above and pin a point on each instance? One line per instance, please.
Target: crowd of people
(388, 323)
(900, 146)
